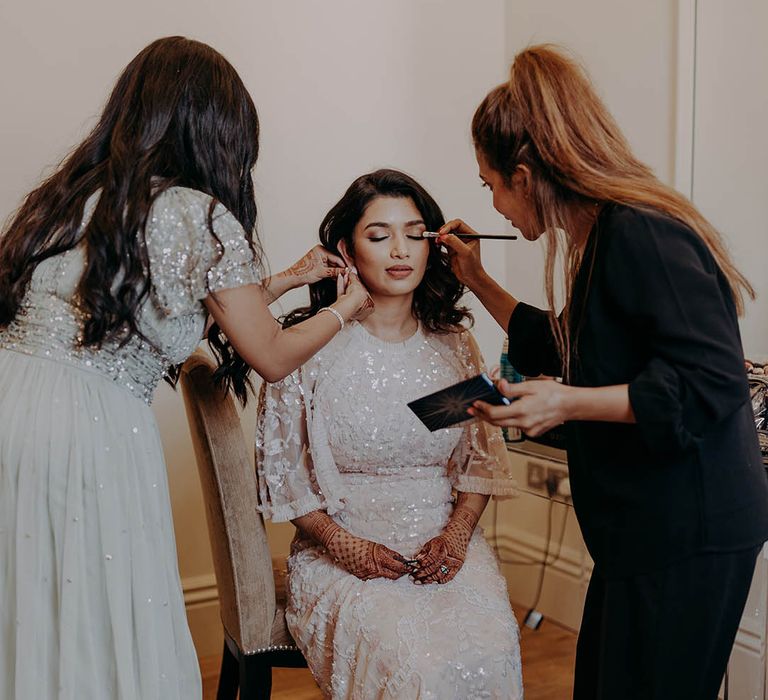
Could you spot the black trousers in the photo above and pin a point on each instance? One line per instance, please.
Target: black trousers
(666, 635)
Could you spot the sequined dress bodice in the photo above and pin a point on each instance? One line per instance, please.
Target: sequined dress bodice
(373, 431)
(49, 325)
(186, 263)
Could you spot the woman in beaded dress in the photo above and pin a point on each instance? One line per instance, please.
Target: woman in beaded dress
(107, 274)
(392, 591)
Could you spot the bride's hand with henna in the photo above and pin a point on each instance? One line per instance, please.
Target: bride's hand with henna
(439, 560)
(360, 557)
(442, 557)
(366, 559)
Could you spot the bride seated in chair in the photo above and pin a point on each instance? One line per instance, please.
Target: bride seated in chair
(393, 592)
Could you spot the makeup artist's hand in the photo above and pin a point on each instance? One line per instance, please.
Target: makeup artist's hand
(353, 294)
(463, 256)
(540, 405)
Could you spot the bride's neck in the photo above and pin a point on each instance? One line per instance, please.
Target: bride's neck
(392, 318)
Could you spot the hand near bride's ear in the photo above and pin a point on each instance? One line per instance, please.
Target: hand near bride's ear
(315, 265)
(349, 286)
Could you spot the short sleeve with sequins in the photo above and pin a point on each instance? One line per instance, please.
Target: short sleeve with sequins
(187, 263)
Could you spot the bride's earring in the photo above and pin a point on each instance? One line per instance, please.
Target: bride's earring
(342, 246)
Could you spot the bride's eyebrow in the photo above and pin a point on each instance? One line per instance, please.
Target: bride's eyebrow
(415, 222)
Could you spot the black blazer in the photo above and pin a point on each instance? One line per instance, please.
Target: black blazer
(650, 308)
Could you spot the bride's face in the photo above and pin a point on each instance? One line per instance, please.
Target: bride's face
(389, 252)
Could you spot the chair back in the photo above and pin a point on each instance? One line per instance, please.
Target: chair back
(241, 554)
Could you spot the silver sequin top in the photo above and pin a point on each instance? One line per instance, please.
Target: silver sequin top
(186, 264)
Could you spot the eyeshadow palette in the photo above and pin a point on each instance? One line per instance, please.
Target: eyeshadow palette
(449, 406)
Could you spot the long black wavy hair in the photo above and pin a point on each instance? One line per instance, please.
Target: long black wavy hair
(435, 300)
(179, 115)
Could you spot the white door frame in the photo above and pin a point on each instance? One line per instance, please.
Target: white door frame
(685, 96)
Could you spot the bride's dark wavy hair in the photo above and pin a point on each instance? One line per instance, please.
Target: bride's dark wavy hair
(179, 115)
(435, 300)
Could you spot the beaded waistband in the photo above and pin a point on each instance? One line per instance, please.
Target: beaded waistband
(51, 331)
(421, 471)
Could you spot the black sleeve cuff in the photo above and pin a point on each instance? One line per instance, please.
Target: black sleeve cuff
(657, 397)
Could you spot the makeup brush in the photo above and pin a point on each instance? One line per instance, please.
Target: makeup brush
(470, 236)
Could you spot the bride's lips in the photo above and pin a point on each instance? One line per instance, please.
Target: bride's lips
(399, 271)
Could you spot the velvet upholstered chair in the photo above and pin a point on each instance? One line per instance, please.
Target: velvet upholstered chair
(251, 596)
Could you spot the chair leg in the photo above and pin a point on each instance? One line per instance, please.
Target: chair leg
(255, 677)
(228, 677)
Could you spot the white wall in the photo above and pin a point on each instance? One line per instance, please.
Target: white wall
(730, 144)
(342, 87)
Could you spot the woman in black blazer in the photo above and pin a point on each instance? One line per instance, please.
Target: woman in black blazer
(666, 474)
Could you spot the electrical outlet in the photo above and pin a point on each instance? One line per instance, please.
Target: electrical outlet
(537, 475)
(558, 483)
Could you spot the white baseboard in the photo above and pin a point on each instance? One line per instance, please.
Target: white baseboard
(565, 578)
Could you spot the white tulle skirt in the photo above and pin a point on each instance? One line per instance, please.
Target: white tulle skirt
(91, 606)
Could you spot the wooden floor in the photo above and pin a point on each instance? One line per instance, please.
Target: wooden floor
(548, 655)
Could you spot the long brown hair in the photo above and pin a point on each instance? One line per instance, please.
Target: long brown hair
(549, 118)
(436, 299)
(179, 115)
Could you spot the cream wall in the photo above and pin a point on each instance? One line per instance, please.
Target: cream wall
(342, 87)
(730, 145)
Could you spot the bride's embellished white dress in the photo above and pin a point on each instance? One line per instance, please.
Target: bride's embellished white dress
(337, 435)
(91, 607)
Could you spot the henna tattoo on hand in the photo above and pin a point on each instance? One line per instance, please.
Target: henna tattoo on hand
(362, 558)
(367, 304)
(443, 556)
(321, 528)
(301, 267)
(465, 515)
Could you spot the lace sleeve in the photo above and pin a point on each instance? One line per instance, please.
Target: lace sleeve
(287, 485)
(480, 463)
(187, 263)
